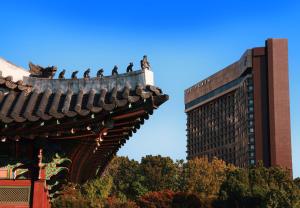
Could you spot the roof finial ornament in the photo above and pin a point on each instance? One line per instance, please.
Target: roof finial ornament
(145, 64)
(62, 74)
(100, 73)
(115, 70)
(42, 72)
(41, 165)
(86, 74)
(129, 67)
(74, 75)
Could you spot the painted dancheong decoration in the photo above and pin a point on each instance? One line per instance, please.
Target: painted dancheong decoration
(66, 129)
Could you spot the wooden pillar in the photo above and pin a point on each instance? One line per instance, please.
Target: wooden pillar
(40, 195)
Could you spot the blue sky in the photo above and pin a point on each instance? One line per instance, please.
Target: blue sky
(185, 41)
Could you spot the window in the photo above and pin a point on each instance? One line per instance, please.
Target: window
(250, 101)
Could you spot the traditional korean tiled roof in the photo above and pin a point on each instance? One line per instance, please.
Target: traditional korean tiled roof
(59, 98)
(7, 82)
(91, 117)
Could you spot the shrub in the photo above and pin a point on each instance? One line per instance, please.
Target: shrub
(186, 200)
(161, 199)
(70, 202)
(113, 202)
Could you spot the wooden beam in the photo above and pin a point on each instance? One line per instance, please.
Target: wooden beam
(131, 114)
(122, 129)
(73, 136)
(126, 124)
(65, 123)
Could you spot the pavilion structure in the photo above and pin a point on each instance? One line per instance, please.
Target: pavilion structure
(57, 130)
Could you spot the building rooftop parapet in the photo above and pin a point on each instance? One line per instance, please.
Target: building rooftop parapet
(216, 80)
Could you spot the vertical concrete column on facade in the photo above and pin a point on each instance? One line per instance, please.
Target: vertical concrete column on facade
(257, 54)
(261, 112)
(279, 106)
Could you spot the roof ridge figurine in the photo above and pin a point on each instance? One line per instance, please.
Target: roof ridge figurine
(129, 67)
(62, 74)
(100, 73)
(145, 64)
(115, 70)
(74, 75)
(86, 74)
(42, 72)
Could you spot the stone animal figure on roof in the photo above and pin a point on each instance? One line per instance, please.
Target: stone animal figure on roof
(100, 73)
(144, 63)
(42, 72)
(74, 75)
(86, 74)
(129, 67)
(115, 70)
(62, 74)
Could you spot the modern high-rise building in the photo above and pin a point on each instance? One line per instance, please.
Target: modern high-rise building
(241, 114)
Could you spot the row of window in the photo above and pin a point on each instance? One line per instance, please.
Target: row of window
(226, 121)
(251, 140)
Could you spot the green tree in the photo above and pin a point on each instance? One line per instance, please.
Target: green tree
(297, 182)
(234, 190)
(260, 187)
(98, 189)
(160, 173)
(127, 180)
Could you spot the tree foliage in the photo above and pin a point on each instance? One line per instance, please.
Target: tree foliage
(160, 173)
(127, 179)
(98, 189)
(204, 177)
(297, 182)
(260, 187)
(72, 198)
(162, 199)
(186, 200)
(158, 181)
